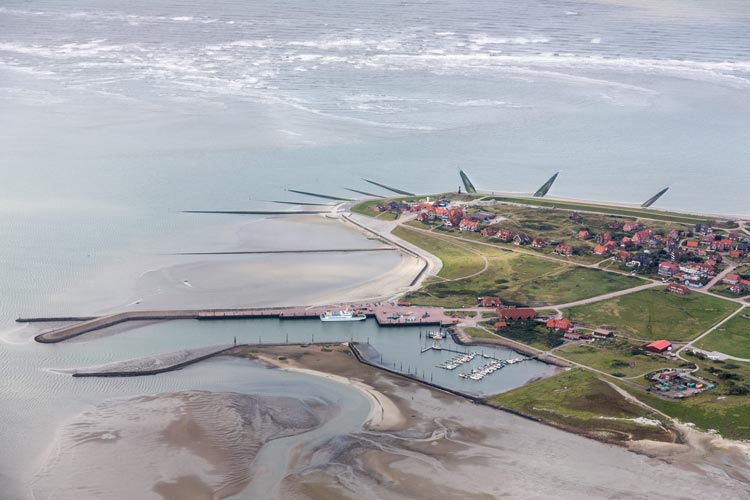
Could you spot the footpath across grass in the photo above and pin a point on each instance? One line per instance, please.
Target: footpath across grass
(577, 400)
(732, 338)
(655, 314)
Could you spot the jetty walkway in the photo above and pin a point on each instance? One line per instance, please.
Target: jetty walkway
(385, 314)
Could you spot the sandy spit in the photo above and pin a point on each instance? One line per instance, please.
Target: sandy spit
(384, 414)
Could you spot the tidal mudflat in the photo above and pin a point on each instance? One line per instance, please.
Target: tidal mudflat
(437, 445)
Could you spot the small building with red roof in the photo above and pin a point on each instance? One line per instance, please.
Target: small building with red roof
(564, 324)
(678, 289)
(659, 346)
(489, 302)
(731, 278)
(563, 249)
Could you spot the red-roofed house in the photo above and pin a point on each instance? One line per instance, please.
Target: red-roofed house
(600, 250)
(504, 235)
(603, 238)
(736, 254)
(641, 237)
(731, 278)
(499, 325)
(516, 313)
(678, 289)
(564, 325)
(565, 250)
(468, 225)
(583, 234)
(538, 243)
(691, 244)
(659, 346)
(668, 269)
(724, 245)
(630, 226)
(489, 302)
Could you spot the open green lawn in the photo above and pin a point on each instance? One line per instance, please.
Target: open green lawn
(458, 261)
(578, 400)
(655, 314)
(367, 207)
(611, 210)
(617, 357)
(733, 337)
(515, 278)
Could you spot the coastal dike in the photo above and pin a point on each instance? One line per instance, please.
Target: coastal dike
(384, 314)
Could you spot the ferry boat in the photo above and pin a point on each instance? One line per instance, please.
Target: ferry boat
(344, 315)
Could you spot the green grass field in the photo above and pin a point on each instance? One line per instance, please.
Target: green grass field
(479, 333)
(616, 357)
(733, 337)
(367, 207)
(655, 314)
(458, 260)
(579, 401)
(516, 278)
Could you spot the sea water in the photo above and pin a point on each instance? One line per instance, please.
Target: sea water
(117, 117)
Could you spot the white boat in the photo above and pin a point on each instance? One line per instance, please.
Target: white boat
(344, 315)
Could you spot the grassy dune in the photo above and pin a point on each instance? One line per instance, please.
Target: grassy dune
(577, 400)
(655, 314)
(516, 278)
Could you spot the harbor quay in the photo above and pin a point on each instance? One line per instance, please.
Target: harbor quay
(386, 314)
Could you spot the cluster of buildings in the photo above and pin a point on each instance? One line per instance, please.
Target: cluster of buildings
(677, 383)
(507, 314)
(443, 211)
(737, 284)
